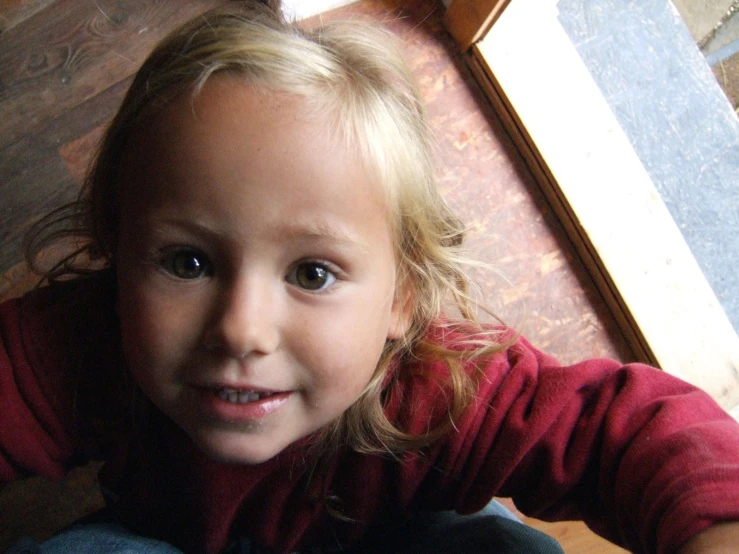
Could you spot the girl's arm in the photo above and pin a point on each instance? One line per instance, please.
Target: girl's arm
(57, 352)
(646, 460)
(34, 439)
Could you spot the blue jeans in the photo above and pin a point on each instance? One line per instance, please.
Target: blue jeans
(94, 538)
(492, 530)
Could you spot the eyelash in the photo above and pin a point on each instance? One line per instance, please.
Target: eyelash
(167, 259)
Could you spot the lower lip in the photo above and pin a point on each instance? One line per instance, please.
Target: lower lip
(223, 409)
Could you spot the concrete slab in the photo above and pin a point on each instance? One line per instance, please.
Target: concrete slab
(680, 124)
(700, 16)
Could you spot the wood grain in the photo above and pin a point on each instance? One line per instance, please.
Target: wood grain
(468, 20)
(13, 12)
(34, 178)
(49, 66)
(544, 178)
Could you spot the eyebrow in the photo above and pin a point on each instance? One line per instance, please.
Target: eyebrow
(317, 230)
(307, 230)
(320, 231)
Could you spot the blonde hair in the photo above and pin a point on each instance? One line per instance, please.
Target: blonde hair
(356, 75)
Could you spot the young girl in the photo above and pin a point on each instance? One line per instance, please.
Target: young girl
(256, 346)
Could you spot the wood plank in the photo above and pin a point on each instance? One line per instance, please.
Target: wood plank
(648, 274)
(544, 178)
(468, 20)
(13, 12)
(573, 536)
(78, 154)
(51, 64)
(14, 283)
(38, 507)
(36, 178)
(29, 196)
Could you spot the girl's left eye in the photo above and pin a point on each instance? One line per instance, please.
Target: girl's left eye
(311, 276)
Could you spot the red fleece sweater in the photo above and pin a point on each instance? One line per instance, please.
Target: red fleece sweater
(645, 459)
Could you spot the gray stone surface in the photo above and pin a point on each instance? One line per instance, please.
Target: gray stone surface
(680, 123)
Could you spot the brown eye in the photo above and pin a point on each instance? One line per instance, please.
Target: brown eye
(311, 276)
(187, 264)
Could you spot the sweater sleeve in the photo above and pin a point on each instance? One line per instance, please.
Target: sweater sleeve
(49, 341)
(33, 434)
(646, 460)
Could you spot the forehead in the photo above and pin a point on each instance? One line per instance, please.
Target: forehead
(249, 147)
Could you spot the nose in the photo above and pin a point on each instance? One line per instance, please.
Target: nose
(244, 321)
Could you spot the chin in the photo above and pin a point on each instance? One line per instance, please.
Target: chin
(236, 451)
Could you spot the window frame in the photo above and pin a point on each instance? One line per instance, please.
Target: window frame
(659, 296)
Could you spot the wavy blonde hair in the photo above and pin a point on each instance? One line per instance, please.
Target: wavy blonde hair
(355, 75)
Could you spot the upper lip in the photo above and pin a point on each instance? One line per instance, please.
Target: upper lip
(239, 387)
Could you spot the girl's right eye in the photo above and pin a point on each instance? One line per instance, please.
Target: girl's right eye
(186, 264)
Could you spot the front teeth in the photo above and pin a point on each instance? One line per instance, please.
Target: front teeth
(239, 397)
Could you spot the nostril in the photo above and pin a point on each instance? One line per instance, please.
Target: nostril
(222, 349)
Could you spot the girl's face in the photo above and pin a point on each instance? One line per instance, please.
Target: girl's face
(255, 268)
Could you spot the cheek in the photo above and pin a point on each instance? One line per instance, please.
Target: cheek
(139, 321)
(151, 330)
(343, 356)
(150, 308)
(151, 346)
(138, 337)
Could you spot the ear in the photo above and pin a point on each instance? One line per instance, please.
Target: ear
(401, 313)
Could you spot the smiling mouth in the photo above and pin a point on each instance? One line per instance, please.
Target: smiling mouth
(243, 404)
(241, 396)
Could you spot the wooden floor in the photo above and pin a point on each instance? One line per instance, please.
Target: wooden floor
(64, 66)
